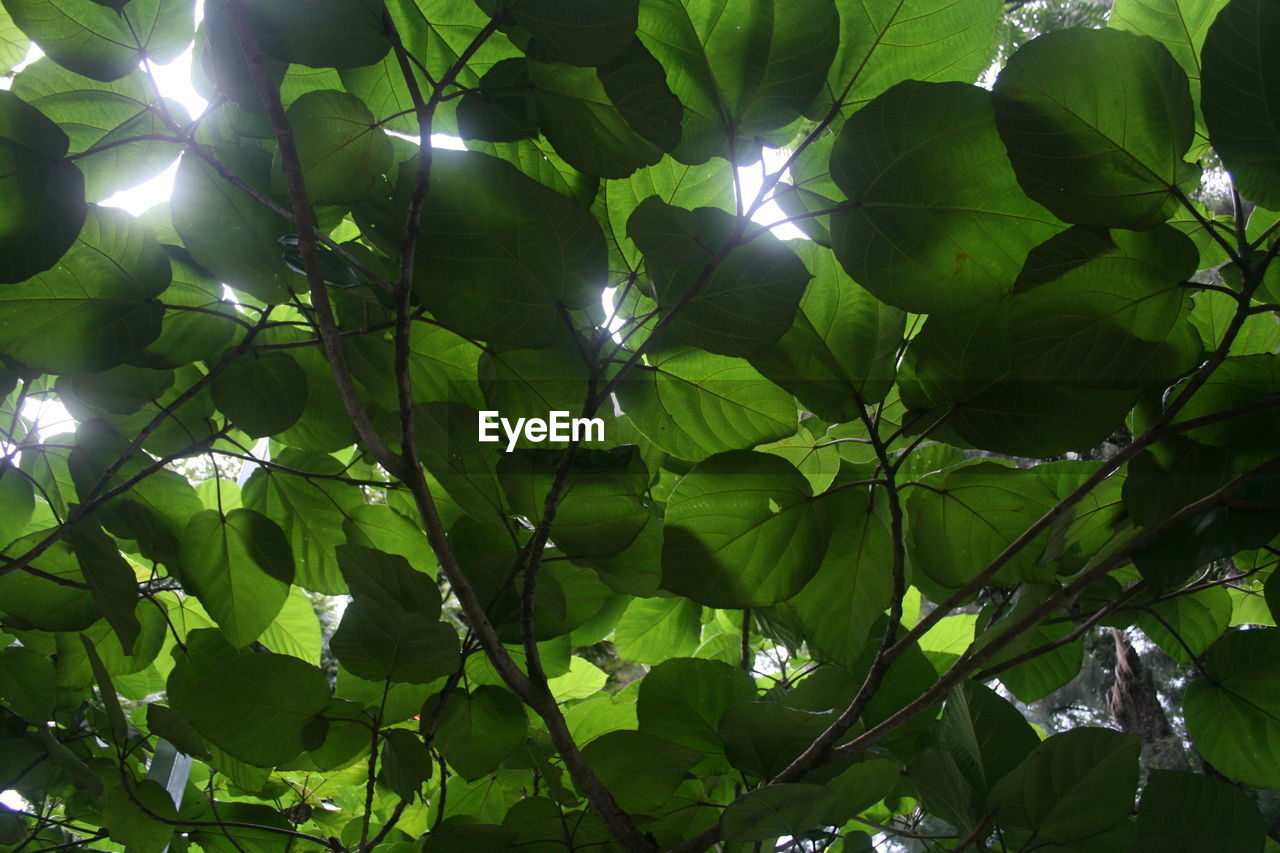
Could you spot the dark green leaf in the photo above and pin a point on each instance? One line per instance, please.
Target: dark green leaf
(1098, 147)
(723, 296)
(500, 255)
(1185, 812)
(240, 568)
(1241, 84)
(478, 730)
(261, 393)
(92, 39)
(741, 530)
(1233, 712)
(1072, 786)
(682, 700)
(935, 220)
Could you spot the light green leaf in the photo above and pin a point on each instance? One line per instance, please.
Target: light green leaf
(741, 531)
(240, 568)
(340, 149)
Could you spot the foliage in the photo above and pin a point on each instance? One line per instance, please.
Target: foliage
(852, 495)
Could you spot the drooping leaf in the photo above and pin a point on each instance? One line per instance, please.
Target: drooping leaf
(641, 770)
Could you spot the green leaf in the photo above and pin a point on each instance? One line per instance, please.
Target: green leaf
(1241, 84)
(97, 41)
(1238, 381)
(478, 730)
(13, 42)
(839, 605)
(742, 81)
(340, 149)
(104, 115)
(500, 255)
(582, 32)
(963, 518)
(1232, 712)
(261, 393)
(30, 600)
(883, 44)
(640, 770)
(721, 295)
(240, 567)
(1097, 147)
(258, 707)
(27, 684)
(1183, 812)
(655, 629)
(601, 511)
(94, 310)
(777, 811)
(17, 502)
(935, 220)
(310, 511)
(1072, 786)
(390, 630)
(501, 108)
(227, 231)
(763, 738)
(321, 33)
(295, 630)
(692, 404)
(406, 763)
(842, 346)
(682, 700)
(128, 815)
(987, 736)
(1180, 26)
(741, 530)
(43, 194)
(589, 129)
(1095, 317)
(114, 586)
(1187, 625)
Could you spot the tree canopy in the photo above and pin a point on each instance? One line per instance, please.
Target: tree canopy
(851, 505)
